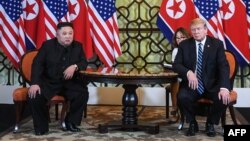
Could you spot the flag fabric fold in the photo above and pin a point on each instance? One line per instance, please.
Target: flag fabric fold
(55, 12)
(104, 30)
(174, 14)
(247, 6)
(12, 39)
(209, 11)
(34, 18)
(25, 24)
(77, 11)
(227, 20)
(237, 29)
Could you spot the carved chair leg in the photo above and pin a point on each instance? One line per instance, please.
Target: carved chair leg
(56, 110)
(182, 120)
(223, 122)
(65, 106)
(182, 117)
(167, 102)
(174, 88)
(231, 110)
(49, 113)
(85, 111)
(223, 119)
(19, 105)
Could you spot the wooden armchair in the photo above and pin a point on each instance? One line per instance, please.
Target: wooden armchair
(20, 95)
(233, 65)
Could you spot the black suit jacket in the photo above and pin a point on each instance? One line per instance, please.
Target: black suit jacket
(215, 68)
(47, 70)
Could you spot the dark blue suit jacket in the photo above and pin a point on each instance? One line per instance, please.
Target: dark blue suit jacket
(215, 68)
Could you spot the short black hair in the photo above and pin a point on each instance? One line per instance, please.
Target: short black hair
(64, 24)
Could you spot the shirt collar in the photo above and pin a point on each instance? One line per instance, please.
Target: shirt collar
(203, 41)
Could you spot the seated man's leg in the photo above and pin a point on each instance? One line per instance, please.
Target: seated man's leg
(187, 101)
(78, 101)
(217, 108)
(40, 114)
(214, 115)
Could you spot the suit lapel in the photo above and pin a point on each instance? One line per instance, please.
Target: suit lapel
(193, 55)
(206, 52)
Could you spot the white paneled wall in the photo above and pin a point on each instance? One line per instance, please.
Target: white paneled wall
(243, 99)
(151, 96)
(113, 96)
(6, 94)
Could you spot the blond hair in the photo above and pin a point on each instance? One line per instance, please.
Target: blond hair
(198, 21)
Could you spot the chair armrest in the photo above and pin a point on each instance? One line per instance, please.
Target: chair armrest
(233, 97)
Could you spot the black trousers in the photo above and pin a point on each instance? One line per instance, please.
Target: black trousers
(187, 101)
(78, 101)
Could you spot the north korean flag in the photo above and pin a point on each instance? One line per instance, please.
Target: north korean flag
(34, 23)
(236, 29)
(78, 13)
(174, 14)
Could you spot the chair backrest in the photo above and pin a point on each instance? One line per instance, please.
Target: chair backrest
(233, 65)
(26, 64)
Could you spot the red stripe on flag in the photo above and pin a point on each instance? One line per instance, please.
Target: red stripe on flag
(12, 40)
(49, 22)
(102, 41)
(105, 36)
(117, 46)
(214, 23)
(21, 47)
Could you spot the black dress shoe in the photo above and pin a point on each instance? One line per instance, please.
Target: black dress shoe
(71, 127)
(210, 130)
(193, 128)
(40, 133)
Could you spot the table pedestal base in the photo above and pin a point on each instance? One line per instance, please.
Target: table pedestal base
(129, 116)
(148, 128)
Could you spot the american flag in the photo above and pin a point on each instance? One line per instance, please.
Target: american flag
(108, 70)
(247, 5)
(104, 30)
(209, 10)
(12, 40)
(55, 11)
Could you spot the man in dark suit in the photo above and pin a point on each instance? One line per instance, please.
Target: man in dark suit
(207, 77)
(56, 70)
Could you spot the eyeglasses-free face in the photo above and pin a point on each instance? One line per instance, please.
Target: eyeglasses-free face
(180, 37)
(199, 31)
